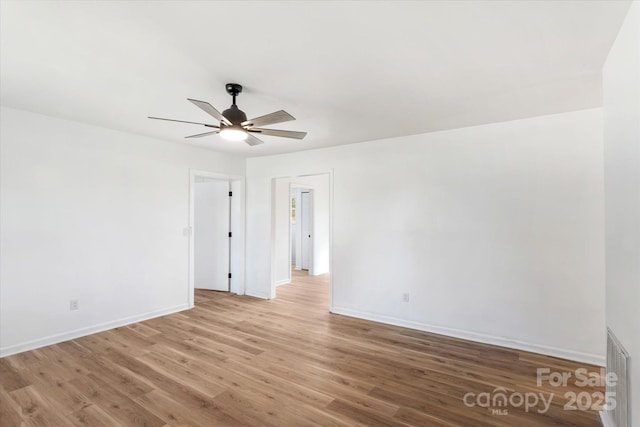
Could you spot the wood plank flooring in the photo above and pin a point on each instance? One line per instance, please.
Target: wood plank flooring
(236, 360)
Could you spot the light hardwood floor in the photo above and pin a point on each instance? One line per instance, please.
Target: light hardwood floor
(236, 360)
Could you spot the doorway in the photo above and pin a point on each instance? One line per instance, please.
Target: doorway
(216, 233)
(212, 234)
(301, 230)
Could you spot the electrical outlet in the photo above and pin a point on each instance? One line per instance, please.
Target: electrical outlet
(73, 304)
(405, 297)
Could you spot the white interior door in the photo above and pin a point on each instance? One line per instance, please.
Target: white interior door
(211, 235)
(306, 220)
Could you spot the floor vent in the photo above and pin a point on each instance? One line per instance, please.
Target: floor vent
(618, 363)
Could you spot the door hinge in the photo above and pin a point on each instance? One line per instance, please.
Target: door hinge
(230, 193)
(229, 275)
(230, 234)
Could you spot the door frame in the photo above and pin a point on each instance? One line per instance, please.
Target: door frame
(237, 248)
(292, 178)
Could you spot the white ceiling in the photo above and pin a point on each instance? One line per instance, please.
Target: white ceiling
(348, 71)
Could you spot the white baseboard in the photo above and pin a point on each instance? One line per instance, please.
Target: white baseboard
(317, 273)
(594, 359)
(66, 336)
(606, 420)
(256, 294)
(283, 282)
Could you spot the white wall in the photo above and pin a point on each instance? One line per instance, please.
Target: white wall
(495, 231)
(622, 189)
(92, 214)
(282, 229)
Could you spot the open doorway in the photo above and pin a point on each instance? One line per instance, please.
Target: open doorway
(301, 230)
(216, 237)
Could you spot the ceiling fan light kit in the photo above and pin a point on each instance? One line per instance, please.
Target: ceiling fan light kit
(233, 133)
(233, 124)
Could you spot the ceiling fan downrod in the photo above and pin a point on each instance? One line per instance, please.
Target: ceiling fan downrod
(234, 89)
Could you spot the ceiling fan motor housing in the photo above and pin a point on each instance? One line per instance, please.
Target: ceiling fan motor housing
(234, 115)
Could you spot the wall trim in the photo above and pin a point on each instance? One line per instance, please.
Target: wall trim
(283, 282)
(77, 333)
(257, 294)
(606, 420)
(594, 359)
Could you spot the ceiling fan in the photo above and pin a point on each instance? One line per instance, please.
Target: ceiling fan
(234, 125)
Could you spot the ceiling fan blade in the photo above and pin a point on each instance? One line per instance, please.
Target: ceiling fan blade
(200, 135)
(269, 119)
(276, 132)
(184, 121)
(252, 140)
(209, 109)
